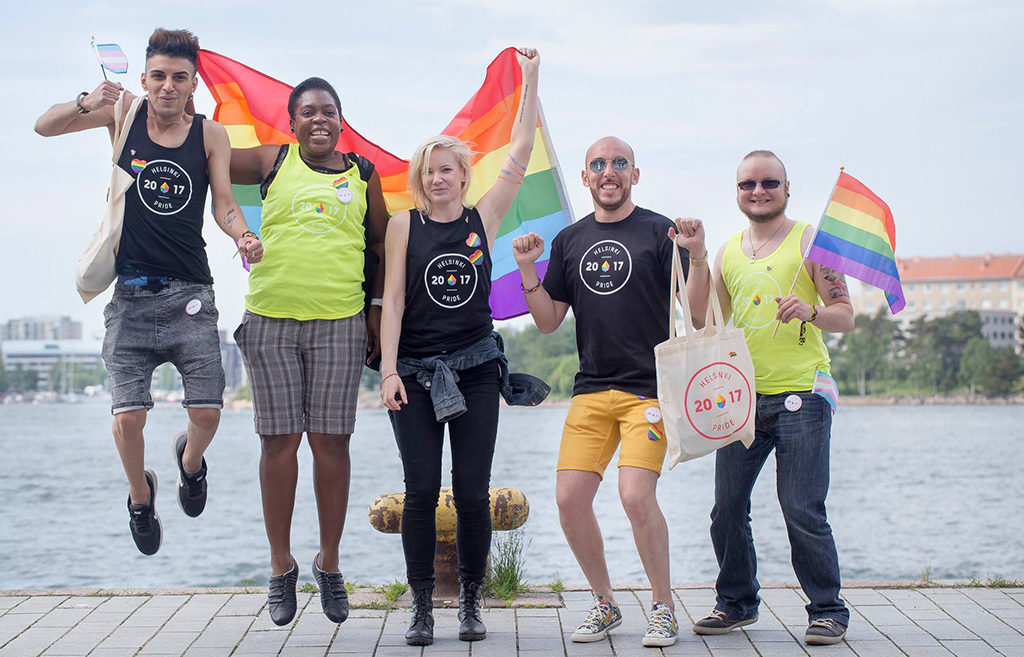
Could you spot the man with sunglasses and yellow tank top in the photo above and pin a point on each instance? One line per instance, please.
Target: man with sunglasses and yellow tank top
(753, 271)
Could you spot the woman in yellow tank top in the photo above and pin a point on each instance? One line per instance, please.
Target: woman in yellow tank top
(304, 334)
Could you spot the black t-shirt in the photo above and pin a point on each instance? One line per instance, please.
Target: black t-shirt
(163, 211)
(616, 278)
(447, 285)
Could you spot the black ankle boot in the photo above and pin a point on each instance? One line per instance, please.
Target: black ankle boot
(471, 627)
(421, 629)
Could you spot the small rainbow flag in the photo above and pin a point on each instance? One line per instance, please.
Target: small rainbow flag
(253, 109)
(825, 386)
(857, 236)
(111, 57)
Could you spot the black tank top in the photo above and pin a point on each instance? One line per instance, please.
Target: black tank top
(447, 285)
(163, 213)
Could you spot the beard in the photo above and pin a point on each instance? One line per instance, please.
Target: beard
(769, 216)
(613, 206)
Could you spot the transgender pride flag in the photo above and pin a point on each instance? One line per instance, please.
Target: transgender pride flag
(111, 57)
(253, 107)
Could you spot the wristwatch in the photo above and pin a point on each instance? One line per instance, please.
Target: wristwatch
(78, 102)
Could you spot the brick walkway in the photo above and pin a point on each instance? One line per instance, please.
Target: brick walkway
(926, 622)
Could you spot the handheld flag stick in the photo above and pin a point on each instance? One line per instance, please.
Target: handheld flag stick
(778, 322)
(92, 44)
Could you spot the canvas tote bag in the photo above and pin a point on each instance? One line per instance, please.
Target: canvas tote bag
(705, 380)
(95, 270)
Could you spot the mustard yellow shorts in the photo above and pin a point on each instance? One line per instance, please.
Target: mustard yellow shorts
(599, 421)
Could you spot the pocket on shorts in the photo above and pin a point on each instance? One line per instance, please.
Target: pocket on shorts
(240, 331)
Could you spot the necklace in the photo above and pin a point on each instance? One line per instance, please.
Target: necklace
(179, 121)
(750, 238)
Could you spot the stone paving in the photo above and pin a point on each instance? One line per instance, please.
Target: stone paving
(906, 622)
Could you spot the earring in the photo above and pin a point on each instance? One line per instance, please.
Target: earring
(190, 96)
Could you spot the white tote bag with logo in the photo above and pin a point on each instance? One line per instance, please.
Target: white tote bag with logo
(705, 380)
(95, 270)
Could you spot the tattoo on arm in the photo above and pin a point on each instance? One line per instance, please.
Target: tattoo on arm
(229, 218)
(522, 108)
(837, 283)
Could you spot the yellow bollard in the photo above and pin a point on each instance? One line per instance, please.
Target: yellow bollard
(509, 510)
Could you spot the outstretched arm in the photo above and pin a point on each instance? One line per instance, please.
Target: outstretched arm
(547, 313)
(225, 208)
(495, 203)
(98, 104)
(250, 166)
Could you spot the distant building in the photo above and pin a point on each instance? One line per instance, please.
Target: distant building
(41, 328)
(42, 355)
(993, 285)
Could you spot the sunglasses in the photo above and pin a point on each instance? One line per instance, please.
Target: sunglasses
(598, 164)
(749, 185)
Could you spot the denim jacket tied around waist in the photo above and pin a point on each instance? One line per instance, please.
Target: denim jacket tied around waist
(439, 375)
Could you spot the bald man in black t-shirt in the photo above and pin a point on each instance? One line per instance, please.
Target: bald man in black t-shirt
(613, 268)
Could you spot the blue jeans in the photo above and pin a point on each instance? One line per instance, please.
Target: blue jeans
(801, 442)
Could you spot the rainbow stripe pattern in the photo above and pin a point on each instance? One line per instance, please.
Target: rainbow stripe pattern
(253, 108)
(111, 57)
(655, 433)
(857, 236)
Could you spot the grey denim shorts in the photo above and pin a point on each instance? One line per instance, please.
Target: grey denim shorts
(304, 374)
(145, 328)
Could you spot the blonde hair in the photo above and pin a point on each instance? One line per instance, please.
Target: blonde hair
(420, 163)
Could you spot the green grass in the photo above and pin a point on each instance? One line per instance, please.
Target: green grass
(309, 587)
(506, 577)
(992, 583)
(557, 586)
(393, 591)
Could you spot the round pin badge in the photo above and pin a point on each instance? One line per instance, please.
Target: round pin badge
(344, 195)
(793, 403)
(652, 414)
(193, 306)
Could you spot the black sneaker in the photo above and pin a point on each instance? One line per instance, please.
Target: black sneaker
(191, 487)
(824, 632)
(281, 596)
(144, 521)
(333, 594)
(719, 622)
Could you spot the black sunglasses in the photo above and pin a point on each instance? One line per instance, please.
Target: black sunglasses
(749, 185)
(598, 164)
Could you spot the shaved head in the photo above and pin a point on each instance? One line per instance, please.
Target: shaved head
(766, 154)
(613, 142)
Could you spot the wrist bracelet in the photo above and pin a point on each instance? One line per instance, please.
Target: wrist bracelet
(78, 102)
(247, 233)
(530, 290)
(699, 262)
(377, 302)
(814, 313)
(388, 377)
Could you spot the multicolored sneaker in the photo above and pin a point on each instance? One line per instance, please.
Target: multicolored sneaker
(662, 628)
(603, 616)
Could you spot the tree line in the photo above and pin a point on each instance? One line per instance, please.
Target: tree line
(933, 356)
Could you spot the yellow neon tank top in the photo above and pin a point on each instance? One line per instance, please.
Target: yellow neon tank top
(781, 363)
(313, 243)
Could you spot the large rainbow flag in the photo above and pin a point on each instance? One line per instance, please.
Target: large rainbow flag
(254, 109)
(857, 236)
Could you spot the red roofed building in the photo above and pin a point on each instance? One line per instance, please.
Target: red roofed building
(991, 284)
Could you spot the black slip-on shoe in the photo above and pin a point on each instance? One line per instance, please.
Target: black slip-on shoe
(144, 521)
(191, 486)
(333, 594)
(281, 596)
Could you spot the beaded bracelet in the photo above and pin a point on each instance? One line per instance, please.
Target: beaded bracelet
(530, 290)
(814, 313)
(247, 233)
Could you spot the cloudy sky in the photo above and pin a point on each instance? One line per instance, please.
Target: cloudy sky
(920, 99)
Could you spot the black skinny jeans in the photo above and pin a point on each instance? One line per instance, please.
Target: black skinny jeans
(420, 440)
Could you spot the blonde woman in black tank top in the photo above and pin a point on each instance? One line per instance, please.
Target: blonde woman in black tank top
(435, 304)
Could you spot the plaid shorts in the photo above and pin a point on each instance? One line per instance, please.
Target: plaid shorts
(304, 374)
